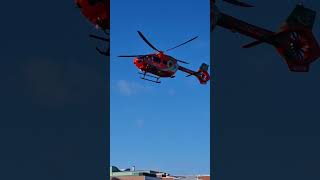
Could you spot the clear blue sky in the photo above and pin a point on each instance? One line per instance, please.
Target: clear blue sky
(160, 126)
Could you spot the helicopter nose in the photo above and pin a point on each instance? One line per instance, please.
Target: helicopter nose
(136, 61)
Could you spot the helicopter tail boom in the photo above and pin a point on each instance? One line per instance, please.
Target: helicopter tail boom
(295, 40)
(201, 74)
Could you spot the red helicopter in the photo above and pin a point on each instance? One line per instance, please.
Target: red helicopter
(294, 41)
(98, 13)
(162, 65)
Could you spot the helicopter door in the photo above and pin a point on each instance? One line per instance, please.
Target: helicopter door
(171, 65)
(170, 62)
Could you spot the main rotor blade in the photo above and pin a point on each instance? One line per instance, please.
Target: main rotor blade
(182, 61)
(238, 3)
(145, 40)
(98, 37)
(105, 53)
(182, 43)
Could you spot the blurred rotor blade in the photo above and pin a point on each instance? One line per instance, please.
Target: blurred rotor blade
(238, 3)
(105, 53)
(145, 40)
(182, 43)
(182, 61)
(98, 37)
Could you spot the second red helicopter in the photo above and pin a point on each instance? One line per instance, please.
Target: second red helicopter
(294, 41)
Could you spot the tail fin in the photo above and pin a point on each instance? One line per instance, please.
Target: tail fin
(301, 17)
(297, 43)
(202, 74)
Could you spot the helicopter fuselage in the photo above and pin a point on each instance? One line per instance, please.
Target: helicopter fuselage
(161, 65)
(158, 64)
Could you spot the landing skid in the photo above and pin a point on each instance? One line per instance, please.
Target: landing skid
(151, 80)
(105, 53)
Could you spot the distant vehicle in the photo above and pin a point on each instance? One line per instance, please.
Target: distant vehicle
(161, 65)
(98, 13)
(294, 41)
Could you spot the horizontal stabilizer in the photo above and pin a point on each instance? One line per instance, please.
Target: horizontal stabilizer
(266, 39)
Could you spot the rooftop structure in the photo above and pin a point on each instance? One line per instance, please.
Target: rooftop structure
(133, 174)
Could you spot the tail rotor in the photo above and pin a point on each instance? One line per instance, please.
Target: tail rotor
(201, 74)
